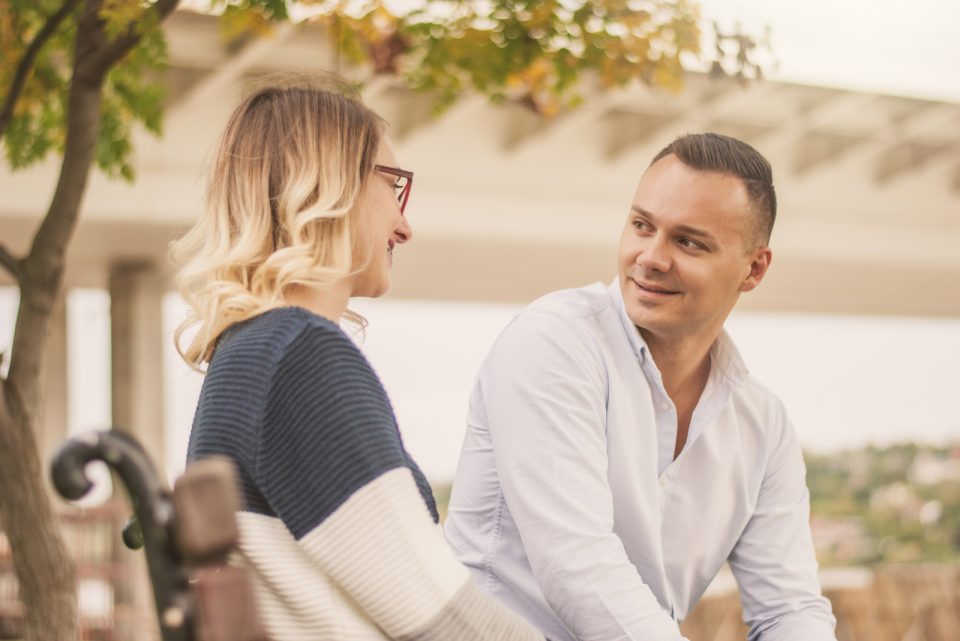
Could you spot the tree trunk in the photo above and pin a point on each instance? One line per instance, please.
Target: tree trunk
(42, 562)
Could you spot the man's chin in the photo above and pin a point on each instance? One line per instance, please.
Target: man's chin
(645, 314)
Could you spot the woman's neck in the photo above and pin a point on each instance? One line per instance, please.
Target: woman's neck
(329, 302)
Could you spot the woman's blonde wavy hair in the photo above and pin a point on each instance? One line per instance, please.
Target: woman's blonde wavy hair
(292, 162)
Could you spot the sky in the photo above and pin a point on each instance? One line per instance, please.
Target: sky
(897, 47)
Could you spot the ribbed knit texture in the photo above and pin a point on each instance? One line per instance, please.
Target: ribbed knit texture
(339, 524)
(294, 403)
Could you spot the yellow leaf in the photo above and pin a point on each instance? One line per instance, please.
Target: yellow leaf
(118, 15)
(240, 23)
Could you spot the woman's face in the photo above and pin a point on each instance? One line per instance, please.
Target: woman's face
(386, 225)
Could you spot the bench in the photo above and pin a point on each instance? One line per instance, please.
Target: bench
(187, 535)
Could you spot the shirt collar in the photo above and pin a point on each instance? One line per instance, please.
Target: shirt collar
(724, 355)
(633, 334)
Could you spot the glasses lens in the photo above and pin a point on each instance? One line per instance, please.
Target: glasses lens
(401, 184)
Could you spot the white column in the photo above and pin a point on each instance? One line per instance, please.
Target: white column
(136, 360)
(136, 335)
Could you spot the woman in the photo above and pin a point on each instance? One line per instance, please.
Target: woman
(305, 208)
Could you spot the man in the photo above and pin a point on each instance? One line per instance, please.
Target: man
(618, 452)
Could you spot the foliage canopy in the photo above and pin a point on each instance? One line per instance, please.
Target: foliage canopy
(536, 52)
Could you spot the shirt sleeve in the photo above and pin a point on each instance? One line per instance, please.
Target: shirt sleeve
(774, 560)
(331, 466)
(544, 399)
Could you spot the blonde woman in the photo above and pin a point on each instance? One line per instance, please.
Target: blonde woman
(305, 209)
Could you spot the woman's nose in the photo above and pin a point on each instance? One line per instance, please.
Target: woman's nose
(404, 232)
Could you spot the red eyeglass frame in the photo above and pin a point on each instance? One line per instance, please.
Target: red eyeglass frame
(401, 173)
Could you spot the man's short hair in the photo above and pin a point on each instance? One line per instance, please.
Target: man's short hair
(726, 155)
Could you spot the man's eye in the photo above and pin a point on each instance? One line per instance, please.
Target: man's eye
(690, 244)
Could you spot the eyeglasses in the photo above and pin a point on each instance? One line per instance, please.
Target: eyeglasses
(403, 183)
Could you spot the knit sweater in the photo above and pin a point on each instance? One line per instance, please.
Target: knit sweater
(339, 524)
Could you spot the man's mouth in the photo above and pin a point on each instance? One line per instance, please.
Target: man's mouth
(654, 289)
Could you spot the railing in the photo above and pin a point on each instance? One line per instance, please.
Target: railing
(903, 603)
(186, 535)
(107, 575)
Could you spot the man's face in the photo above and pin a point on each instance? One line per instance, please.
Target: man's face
(687, 251)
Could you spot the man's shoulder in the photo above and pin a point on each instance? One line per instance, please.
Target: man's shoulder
(751, 397)
(574, 303)
(759, 406)
(568, 321)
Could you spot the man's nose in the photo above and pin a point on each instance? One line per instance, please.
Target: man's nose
(655, 254)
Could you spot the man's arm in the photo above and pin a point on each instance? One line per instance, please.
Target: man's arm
(774, 561)
(544, 395)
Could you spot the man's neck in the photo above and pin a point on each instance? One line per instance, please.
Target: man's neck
(684, 362)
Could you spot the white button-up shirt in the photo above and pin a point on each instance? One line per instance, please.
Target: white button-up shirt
(569, 507)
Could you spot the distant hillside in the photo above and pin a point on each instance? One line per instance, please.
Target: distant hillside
(898, 504)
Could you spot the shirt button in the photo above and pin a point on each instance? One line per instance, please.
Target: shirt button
(663, 481)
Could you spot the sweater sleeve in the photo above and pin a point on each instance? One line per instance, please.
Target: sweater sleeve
(332, 467)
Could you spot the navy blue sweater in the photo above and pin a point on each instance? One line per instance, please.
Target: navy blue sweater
(290, 398)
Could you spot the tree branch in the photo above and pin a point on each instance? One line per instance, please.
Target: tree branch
(10, 262)
(42, 269)
(23, 68)
(107, 55)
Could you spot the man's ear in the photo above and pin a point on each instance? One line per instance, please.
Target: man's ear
(758, 268)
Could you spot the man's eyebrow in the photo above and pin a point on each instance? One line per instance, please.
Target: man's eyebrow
(683, 229)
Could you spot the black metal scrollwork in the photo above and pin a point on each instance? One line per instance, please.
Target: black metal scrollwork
(154, 514)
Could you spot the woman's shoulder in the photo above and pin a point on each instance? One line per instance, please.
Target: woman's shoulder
(269, 337)
(278, 323)
(287, 348)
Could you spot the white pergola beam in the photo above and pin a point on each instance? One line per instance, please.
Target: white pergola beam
(795, 127)
(223, 77)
